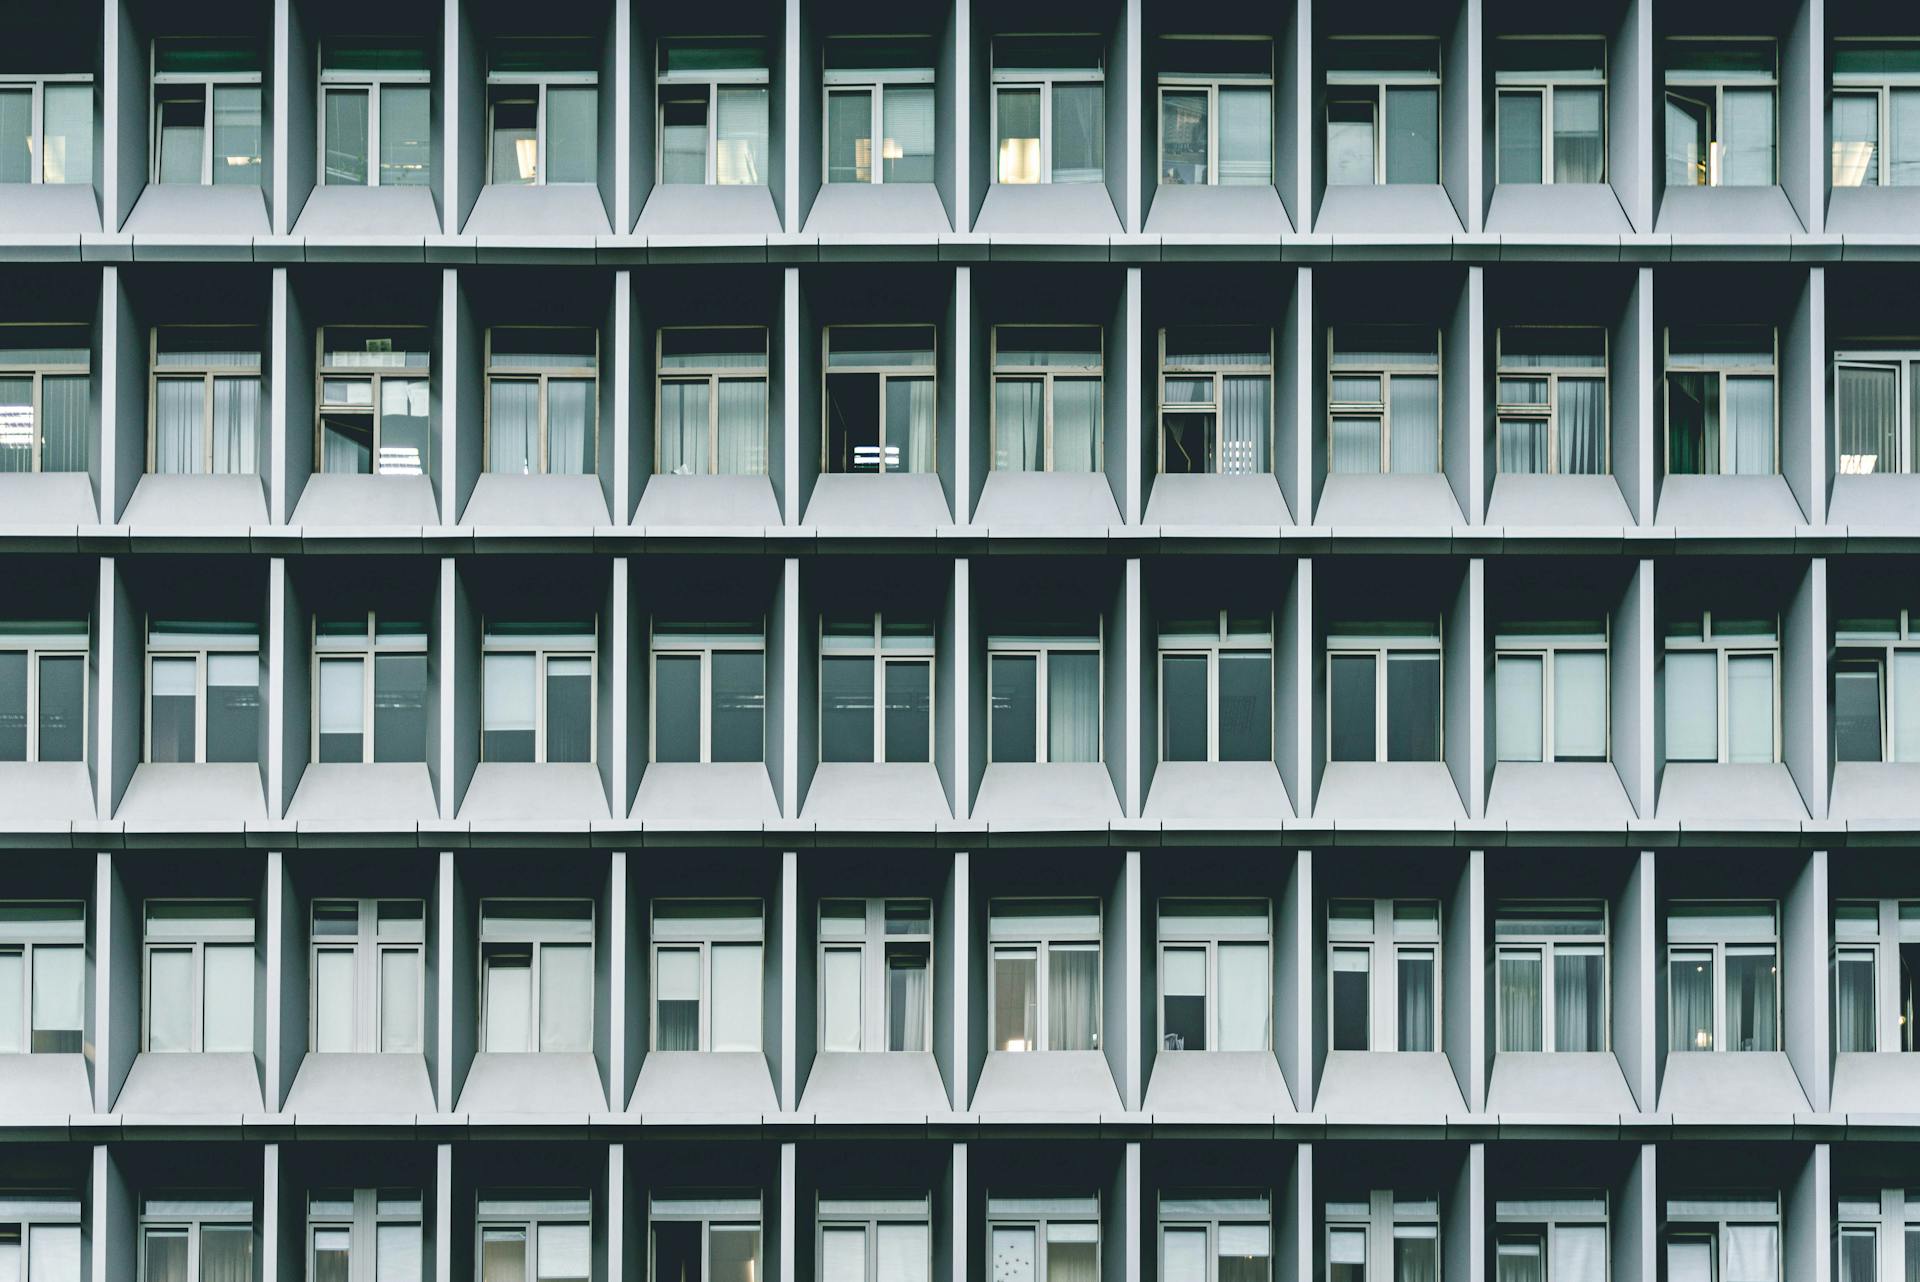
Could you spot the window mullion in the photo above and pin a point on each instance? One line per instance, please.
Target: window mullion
(873, 127)
(540, 706)
(540, 144)
(199, 708)
(706, 704)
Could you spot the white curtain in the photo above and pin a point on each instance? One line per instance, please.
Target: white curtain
(1523, 446)
(1749, 424)
(226, 1254)
(1245, 411)
(570, 426)
(1746, 139)
(683, 429)
(1868, 400)
(1578, 979)
(1752, 1253)
(1076, 423)
(910, 998)
(566, 997)
(1905, 698)
(740, 131)
(1579, 1253)
(1690, 985)
(1015, 1257)
(1578, 153)
(236, 426)
(514, 414)
(1519, 1261)
(909, 426)
(735, 1018)
(1693, 706)
(53, 1253)
(1580, 705)
(397, 1253)
(1244, 1007)
(843, 1255)
(1582, 421)
(1415, 408)
(1183, 1255)
(1073, 707)
(1073, 998)
(1517, 706)
(333, 1000)
(903, 1254)
(1416, 1259)
(1072, 1252)
(227, 1021)
(742, 448)
(1017, 425)
(840, 973)
(1356, 445)
(64, 422)
(1246, 137)
(1521, 1027)
(1415, 977)
(565, 1253)
(179, 417)
(16, 419)
(1690, 1261)
(1750, 708)
(1853, 1017)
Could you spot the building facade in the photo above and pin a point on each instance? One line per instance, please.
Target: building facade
(1088, 639)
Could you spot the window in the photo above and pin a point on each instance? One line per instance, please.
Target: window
(1216, 975)
(536, 976)
(1047, 398)
(196, 1238)
(1552, 399)
(1724, 1237)
(874, 1239)
(1044, 690)
(1866, 1217)
(535, 1235)
(1876, 96)
(709, 690)
(369, 688)
(374, 396)
(1221, 1235)
(364, 1235)
(1720, 113)
(1384, 699)
(1043, 1239)
(876, 964)
(1876, 395)
(1552, 109)
(1722, 689)
(879, 388)
(1398, 1229)
(203, 691)
(376, 115)
(1383, 399)
(1550, 691)
(1045, 994)
(1216, 399)
(1216, 687)
(861, 654)
(880, 87)
(539, 694)
(1383, 110)
(43, 690)
(713, 111)
(200, 961)
(543, 109)
(40, 1237)
(706, 1238)
(369, 975)
(45, 396)
(192, 80)
(1869, 934)
(1723, 976)
(43, 975)
(1876, 688)
(707, 979)
(1216, 112)
(46, 129)
(1551, 958)
(206, 411)
(1553, 1237)
(1049, 114)
(713, 402)
(1721, 401)
(1383, 974)
(543, 412)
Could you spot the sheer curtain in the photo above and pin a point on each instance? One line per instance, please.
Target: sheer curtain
(1750, 708)
(1246, 137)
(1016, 428)
(226, 1254)
(236, 426)
(1079, 134)
(1415, 1256)
(1356, 445)
(1752, 1253)
(1076, 423)
(1853, 1003)
(1245, 1010)
(16, 414)
(1073, 998)
(683, 428)
(1415, 973)
(1523, 446)
(1245, 411)
(1869, 418)
(514, 412)
(1415, 408)
(1519, 1261)
(1072, 1250)
(1746, 142)
(1690, 983)
(1582, 423)
(1577, 976)
(569, 426)
(1693, 706)
(179, 416)
(910, 1004)
(1073, 707)
(1578, 154)
(1579, 1253)
(740, 131)
(1580, 705)
(902, 1253)
(1749, 413)
(1520, 1022)
(910, 424)
(1517, 706)
(742, 449)
(64, 415)
(1905, 697)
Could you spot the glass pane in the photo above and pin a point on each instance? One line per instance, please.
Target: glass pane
(509, 998)
(676, 707)
(1857, 1256)
(1752, 1023)
(13, 705)
(53, 1252)
(332, 1255)
(683, 135)
(333, 980)
(740, 142)
(1018, 143)
(1183, 999)
(182, 137)
(909, 714)
(59, 1000)
(1746, 138)
(400, 707)
(1073, 707)
(573, 140)
(1579, 138)
(1752, 1252)
(236, 135)
(1856, 710)
(1521, 1002)
(400, 973)
(227, 1018)
(1749, 425)
(1413, 707)
(1246, 137)
(1905, 706)
(739, 705)
(1183, 137)
(508, 730)
(843, 1254)
(569, 709)
(166, 1256)
(850, 137)
(565, 1254)
(1076, 424)
(63, 707)
(1856, 140)
(1693, 706)
(1246, 707)
(1352, 999)
(1073, 998)
(1413, 135)
(903, 1252)
(1903, 158)
(1867, 403)
(1015, 1258)
(1356, 445)
(516, 145)
(68, 129)
(1690, 991)
(1183, 1254)
(1688, 124)
(1517, 707)
(1245, 1009)
(1414, 410)
(1015, 684)
(1520, 128)
(1183, 707)
(840, 985)
(1350, 141)
(1015, 999)
(233, 707)
(346, 135)
(909, 424)
(1346, 1255)
(907, 134)
(1354, 690)
(566, 997)
(677, 999)
(1580, 706)
(341, 713)
(733, 1253)
(846, 709)
(13, 987)
(1414, 981)
(397, 1253)
(503, 1255)
(1750, 708)
(1579, 999)
(736, 997)
(1079, 134)
(1853, 1001)
(406, 139)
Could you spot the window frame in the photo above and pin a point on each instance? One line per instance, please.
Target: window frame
(39, 373)
(43, 1209)
(1381, 1222)
(1211, 85)
(1855, 84)
(1717, 83)
(366, 649)
(1208, 942)
(37, 646)
(1224, 641)
(36, 83)
(1038, 1214)
(24, 938)
(1546, 648)
(1042, 942)
(1712, 1228)
(201, 648)
(1547, 946)
(868, 1214)
(1896, 924)
(1903, 361)
(1860, 646)
(884, 373)
(1041, 649)
(1382, 646)
(1725, 649)
(1041, 81)
(874, 83)
(1046, 376)
(703, 648)
(700, 935)
(708, 1210)
(1724, 372)
(1718, 949)
(362, 1224)
(1383, 408)
(195, 944)
(532, 1211)
(368, 947)
(1208, 1210)
(1219, 373)
(207, 82)
(871, 946)
(371, 83)
(375, 375)
(541, 376)
(1346, 87)
(713, 376)
(883, 656)
(195, 1216)
(1542, 85)
(571, 934)
(1515, 412)
(537, 83)
(208, 374)
(1383, 981)
(542, 649)
(1562, 1209)
(711, 81)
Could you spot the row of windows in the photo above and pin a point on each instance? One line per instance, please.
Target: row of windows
(207, 403)
(1215, 975)
(1215, 107)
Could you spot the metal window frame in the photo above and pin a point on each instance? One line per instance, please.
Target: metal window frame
(1042, 943)
(1045, 375)
(929, 373)
(371, 83)
(542, 652)
(1547, 651)
(1209, 943)
(542, 375)
(543, 1213)
(1382, 648)
(1770, 372)
(1892, 1023)
(1713, 1228)
(1718, 949)
(1042, 82)
(368, 948)
(195, 945)
(1881, 87)
(1383, 408)
(700, 940)
(1223, 642)
(206, 82)
(1038, 1215)
(1210, 1224)
(876, 1009)
(1211, 86)
(1219, 373)
(1383, 981)
(712, 376)
(703, 649)
(1717, 84)
(18, 939)
(191, 1225)
(1727, 648)
(1550, 411)
(1547, 948)
(36, 84)
(1881, 650)
(537, 83)
(1040, 650)
(39, 372)
(159, 647)
(367, 649)
(1352, 83)
(363, 1226)
(376, 375)
(208, 374)
(875, 85)
(536, 944)
(1381, 1223)
(912, 1210)
(1543, 83)
(36, 650)
(710, 83)
(1544, 1229)
(1902, 362)
(704, 1212)
(882, 655)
